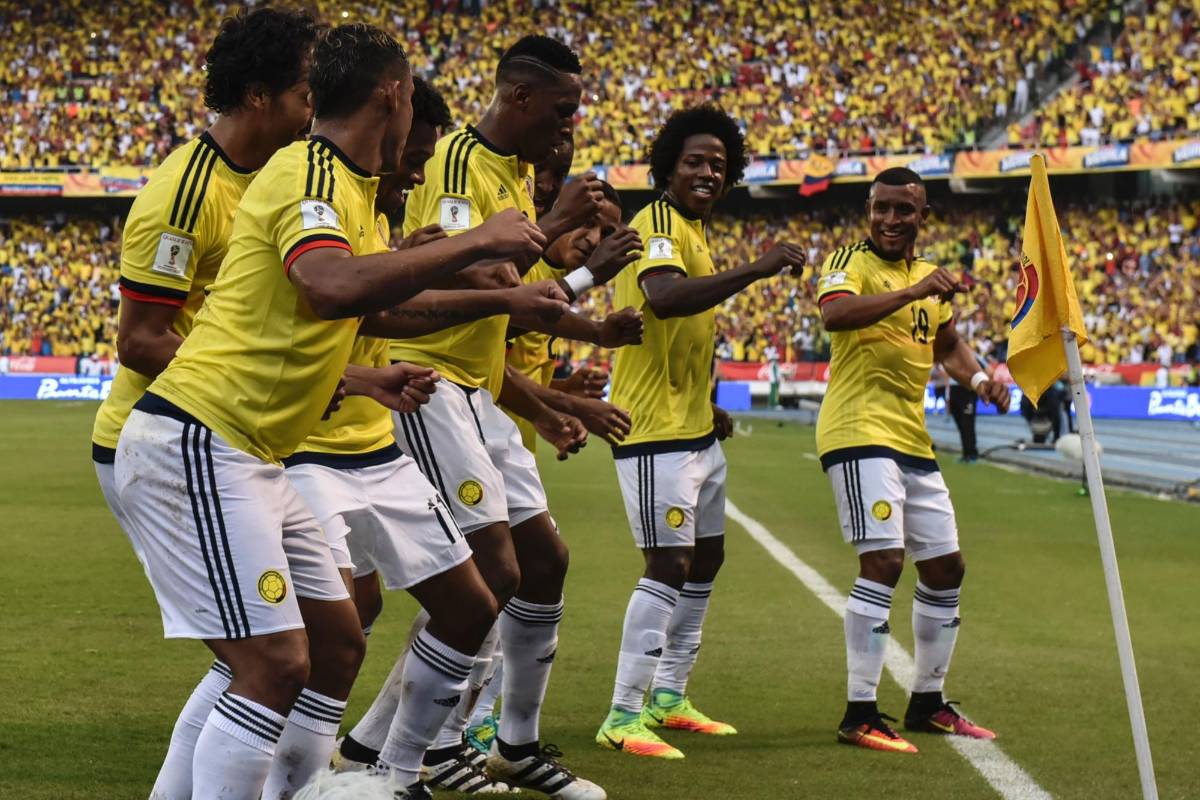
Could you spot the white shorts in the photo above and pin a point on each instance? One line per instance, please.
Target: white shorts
(472, 452)
(105, 474)
(227, 541)
(388, 515)
(673, 499)
(884, 505)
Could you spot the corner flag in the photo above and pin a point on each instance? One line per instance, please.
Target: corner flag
(1046, 301)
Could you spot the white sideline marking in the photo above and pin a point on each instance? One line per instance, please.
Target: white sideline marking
(1001, 772)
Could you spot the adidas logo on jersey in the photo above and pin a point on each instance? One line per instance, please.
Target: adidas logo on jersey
(449, 702)
(502, 194)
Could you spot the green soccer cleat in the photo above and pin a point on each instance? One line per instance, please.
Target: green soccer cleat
(670, 709)
(480, 736)
(626, 731)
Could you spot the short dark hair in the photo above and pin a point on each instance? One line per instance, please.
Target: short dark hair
(537, 55)
(264, 47)
(707, 118)
(348, 64)
(428, 105)
(610, 194)
(898, 176)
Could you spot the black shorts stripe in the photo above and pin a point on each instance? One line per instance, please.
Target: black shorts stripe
(415, 445)
(641, 476)
(195, 216)
(184, 179)
(192, 198)
(433, 464)
(475, 416)
(446, 527)
(209, 531)
(216, 500)
(858, 500)
(650, 505)
(208, 564)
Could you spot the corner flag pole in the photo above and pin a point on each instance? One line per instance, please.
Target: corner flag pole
(1108, 557)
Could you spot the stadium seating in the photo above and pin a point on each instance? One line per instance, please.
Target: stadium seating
(106, 84)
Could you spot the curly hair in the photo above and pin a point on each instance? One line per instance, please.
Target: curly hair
(668, 144)
(428, 105)
(265, 47)
(348, 64)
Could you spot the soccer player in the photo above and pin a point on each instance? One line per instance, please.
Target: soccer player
(465, 444)
(234, 556)
(550, 175)
(889, 316)
(670, 468)
(176, 234)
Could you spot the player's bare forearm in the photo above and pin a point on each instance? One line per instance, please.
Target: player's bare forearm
(434, 310)
(954, 354)
(671, 294)
(146, 342)
(851, 312)
(569, 326)
(357, 381)
(520, 395)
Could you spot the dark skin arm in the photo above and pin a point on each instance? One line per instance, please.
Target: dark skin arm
(145, 341)
(578, 202)
(616, 330)
(673, 294)
(615, 252)
(852, 312)
(954, 354)
(338, 285)
(564, 432)
(400, 387)
(434, 310)
(603, 419)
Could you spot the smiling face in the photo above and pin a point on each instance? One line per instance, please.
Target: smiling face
(573, 249)
(698, 180)
(894, 215)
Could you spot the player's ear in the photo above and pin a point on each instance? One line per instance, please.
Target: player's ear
(521, 94)
(257, 96)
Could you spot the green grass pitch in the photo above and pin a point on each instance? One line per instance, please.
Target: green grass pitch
(91, 690)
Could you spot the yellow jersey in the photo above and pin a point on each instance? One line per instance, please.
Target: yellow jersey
(532, 353)
(665, 383)
(259, 367)
(175, 238)
(874, 405)
(359, 434)
(468, 181)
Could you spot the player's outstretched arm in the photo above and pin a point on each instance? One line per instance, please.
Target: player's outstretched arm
(566, 433)
(583, 382)
(401, 387)
(338, 285)
(616, 251)
(599, 417)
(672, 294)
(618, 329)
(849, 312)
(434, 310)
(955, 355)
(146, 341)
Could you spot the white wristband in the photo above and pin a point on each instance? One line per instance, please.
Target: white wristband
(580, 280)
(978, 378)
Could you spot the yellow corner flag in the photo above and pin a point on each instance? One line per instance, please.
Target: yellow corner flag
(1046, 301)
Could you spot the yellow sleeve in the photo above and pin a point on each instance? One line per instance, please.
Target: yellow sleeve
(945, 313)
(456, 198)
(663, 250)
(839, 276)
(163, 241)
(309, 214)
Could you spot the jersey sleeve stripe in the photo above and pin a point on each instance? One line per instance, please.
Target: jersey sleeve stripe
(329, 171)
(312, 169)
(191, 225)
(659, 271)
(314, 242)
(654, 218)
(194, 179)
(667, 215)
(825, 298)
(448, 162)
(149, 293)
(197, 151)
(456, 157)
(462, 186)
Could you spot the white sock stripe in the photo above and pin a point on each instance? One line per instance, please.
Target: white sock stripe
(534, 614)
(651, 588)
(221, 668)
(246, 718)
(874, 586)
(329, 704)
(879, 598)
(929, 600)
(309, 706)
(261, 712)
(870, 591)
(451, 664)
(535, 608)
(694, 595)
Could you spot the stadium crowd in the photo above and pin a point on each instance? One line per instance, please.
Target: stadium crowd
(93, 84)
(1139, 268)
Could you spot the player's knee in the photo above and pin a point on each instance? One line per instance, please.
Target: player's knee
(946, 572)
(476, 616)
(369, 607)
(280, 672)
(549, 569)
(882, 566)
(503, 579)
(669, 565)
(708, 560)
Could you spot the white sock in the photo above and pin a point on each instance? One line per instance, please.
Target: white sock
(306, 744)
(935, 630)
(867, 634)
(529, 639)
(451, 734)
(434, 682)
(234, 751)
(372, 730)
(174, 780)
(683, 638)
(645, 632)
(485, 706)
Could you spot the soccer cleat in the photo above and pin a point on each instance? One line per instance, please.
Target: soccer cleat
(541, 772)
(627, 731)
(875, 734)
(670, 709)
(415, 792)
(459, 774)
(945, 720)
(480, 736)
(350, 756)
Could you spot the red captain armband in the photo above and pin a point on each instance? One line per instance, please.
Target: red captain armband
(314, 242)
(833, 296)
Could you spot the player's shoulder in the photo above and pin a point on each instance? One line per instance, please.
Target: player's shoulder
(656, 219)
(846, 255)
(176, 189)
